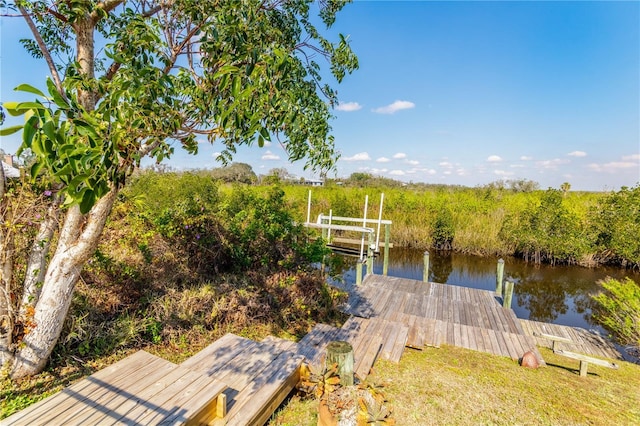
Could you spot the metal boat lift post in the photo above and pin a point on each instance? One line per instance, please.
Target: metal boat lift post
(328, 223)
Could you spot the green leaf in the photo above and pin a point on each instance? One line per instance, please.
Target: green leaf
(260, 141)
(12, 108)
(30, 89)
(55, 95)
(49, 130)
(30, 129)
(88, 200)
(10, 130)
(35, 169)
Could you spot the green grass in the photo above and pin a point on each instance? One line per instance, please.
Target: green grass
(451, 385)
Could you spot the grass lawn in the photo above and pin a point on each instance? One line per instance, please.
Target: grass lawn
(454, 386)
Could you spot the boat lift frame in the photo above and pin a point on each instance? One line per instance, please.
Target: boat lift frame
(327, 223)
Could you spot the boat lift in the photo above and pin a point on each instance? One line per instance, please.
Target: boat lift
(328, 223)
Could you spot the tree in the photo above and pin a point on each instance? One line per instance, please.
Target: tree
(167, 73)
(235, 172)
(565, 187)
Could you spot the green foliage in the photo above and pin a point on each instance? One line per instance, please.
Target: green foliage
(547, 232)
(618, 309)
(542, 226)
(222, 231)
(235, 173)
(443, 229)
(616, 219)
(251, 76)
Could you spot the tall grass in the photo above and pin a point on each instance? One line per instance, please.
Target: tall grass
(543, 226)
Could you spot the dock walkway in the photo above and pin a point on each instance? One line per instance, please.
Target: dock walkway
(238, 381)
(443, 314)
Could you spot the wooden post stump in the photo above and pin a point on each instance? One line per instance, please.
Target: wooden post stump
(425, 269)
(508, 294)
(499, 276)
(359, 271)
(341, 353)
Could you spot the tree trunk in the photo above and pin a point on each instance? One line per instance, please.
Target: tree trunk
(59, 283)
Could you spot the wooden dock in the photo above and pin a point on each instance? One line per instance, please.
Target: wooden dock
(443, 314)
(238, 381)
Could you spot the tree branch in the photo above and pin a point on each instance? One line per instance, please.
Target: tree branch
(43, 48)
(106, 6)
(37, 263)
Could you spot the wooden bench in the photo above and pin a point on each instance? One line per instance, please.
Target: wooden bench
(554, 339)
(140, 389)
(585, 360)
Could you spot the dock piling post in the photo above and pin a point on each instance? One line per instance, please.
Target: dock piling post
(425, 271)
(508, 294)
(499, 276)
(387, 235)
(370, 255)
(359, 271)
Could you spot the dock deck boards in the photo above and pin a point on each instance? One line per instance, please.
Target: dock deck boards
(258, 375)
(437, 314)
(244, 381)
(140, 389)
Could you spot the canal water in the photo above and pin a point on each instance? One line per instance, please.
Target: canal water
(554, 294)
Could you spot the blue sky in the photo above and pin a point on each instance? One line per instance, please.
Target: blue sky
(465, 93)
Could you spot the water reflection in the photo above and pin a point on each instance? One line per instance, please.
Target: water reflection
(556, 294)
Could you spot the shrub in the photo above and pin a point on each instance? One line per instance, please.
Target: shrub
(617, 222)
(618, 309)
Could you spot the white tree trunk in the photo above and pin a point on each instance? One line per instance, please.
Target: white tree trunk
(59, 283)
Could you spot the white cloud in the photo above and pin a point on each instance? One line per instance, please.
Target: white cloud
(445, 164)
(216, 155)
(613, 166)
(631, 157)
(383, 160)
(397, 173)
(269, 156)
(551, 164)
(431, 172)
(268, 143)
(494, 159)
(348, 106)
(413, 162)
(399, 155)
(378, 171)
(361, 156)
(394, 107)
(526, 158)
(577, 154)
(502, 173)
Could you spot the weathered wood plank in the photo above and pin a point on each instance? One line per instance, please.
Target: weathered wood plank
(76, 397)
(258, 402)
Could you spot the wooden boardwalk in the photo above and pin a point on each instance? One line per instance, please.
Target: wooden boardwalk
(238, 381)
(140, 389)
(443, 314)
(583, 341)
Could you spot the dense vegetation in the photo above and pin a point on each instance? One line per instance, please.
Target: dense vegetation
(182, 262)
(551, 226)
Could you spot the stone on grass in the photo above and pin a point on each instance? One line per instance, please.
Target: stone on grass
(529, 360)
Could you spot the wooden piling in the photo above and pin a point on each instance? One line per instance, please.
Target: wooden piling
(387, 236)
(370, 255)
(359, 271)
(425, 271)
(341, 353)
(499, 276)
(508, 294)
